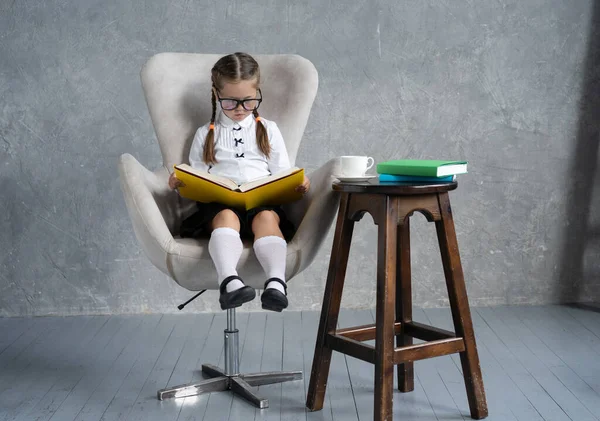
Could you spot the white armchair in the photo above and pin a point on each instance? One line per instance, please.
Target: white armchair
(177, 89)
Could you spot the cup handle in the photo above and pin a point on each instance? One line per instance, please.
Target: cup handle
(372, 162)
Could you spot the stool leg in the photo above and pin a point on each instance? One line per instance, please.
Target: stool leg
(386, 297)
(331, 306)
(406, 380)
(461, 313)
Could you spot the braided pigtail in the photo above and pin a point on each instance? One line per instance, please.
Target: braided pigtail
(262, 138)
(209, 142)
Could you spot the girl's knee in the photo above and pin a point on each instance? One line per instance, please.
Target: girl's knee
(265, 218)
(226, 218)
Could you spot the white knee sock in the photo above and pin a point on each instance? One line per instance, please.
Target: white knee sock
(225, 247)
(271, 252)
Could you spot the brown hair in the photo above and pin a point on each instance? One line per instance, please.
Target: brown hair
(233, 68)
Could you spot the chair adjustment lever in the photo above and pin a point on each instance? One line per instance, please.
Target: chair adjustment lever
(181, 306)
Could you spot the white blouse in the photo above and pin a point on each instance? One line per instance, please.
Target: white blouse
(236, 151)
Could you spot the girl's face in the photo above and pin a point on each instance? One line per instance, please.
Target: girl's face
(245, 89)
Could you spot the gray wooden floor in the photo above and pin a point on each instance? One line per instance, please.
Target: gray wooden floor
(539, 363)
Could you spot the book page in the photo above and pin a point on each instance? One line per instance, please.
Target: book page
(221, 181)
(451, 169)
(268, 179)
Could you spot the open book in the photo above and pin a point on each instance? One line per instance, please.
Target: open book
(276, 189)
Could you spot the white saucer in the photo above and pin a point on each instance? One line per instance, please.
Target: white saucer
(360, 178)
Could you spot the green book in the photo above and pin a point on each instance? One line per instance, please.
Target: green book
(422, 167)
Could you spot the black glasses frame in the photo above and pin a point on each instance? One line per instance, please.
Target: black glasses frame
(240, 101)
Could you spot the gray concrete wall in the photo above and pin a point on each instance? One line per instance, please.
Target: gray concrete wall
(496, 82)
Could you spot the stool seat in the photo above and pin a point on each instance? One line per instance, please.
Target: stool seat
(391, 205)
(392, 188)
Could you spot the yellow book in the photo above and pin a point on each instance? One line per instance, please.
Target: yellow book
(276, 189)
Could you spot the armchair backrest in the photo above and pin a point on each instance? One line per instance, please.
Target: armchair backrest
(177, 90)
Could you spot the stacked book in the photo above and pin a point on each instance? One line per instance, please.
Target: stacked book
(420, 170)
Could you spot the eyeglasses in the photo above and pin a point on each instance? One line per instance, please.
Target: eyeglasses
(249, 104)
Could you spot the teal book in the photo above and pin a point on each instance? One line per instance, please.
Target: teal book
(415, 178)
(422, 167)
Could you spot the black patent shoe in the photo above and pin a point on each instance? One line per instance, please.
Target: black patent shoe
(235, 298)
(273, 299)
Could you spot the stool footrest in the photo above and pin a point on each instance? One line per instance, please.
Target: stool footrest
(351, 347)
(426, 332)
(365, 352)
(413, 329)
(364, 332)
(428, 350)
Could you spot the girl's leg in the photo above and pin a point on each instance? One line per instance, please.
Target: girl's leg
(266, 224)
(225, 248)
(271, 249)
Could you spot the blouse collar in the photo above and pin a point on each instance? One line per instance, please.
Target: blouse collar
(229, 123)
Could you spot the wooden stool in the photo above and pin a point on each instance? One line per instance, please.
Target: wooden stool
(391, 205)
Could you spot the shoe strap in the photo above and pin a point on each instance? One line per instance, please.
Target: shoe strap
(226, 281)
(276, 280)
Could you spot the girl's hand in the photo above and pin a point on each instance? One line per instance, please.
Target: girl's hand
(174, 182)
(304, 187)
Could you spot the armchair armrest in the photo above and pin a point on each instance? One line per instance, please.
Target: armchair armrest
(150, 205)
(317, 211)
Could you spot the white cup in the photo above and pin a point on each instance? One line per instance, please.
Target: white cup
(355, 166)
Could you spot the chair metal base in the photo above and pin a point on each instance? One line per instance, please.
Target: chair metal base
(240, 384)
(229, 378)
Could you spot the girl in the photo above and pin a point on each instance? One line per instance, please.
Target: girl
(241, 145)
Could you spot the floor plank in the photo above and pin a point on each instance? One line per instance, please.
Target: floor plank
(69, 370)
(582, 359)
(561, 316)
(147, 407)
(149, 341)
(447, 368)
(271, 360)
(186, 365)
(34, 382)
(339, 389)
(428, 376)
(534, 380)
(539, 363)
(107, 389)
(361, 373)
(589, 319)
(292, 393)
(19, 355)
(12, 329)
(310, 326)
(110, 347)
(193, 408)
(539, 351)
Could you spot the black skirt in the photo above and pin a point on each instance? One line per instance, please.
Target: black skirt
(199, 224)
